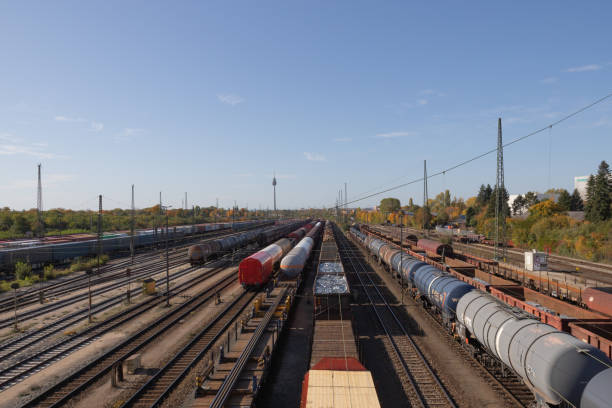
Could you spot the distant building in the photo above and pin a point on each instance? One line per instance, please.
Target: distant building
(548, 196)
(580, 184)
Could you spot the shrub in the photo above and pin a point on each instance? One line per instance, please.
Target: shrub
(49, 272)
(22, 270)
(82, 264)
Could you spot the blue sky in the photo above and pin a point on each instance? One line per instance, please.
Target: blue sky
(212, 97)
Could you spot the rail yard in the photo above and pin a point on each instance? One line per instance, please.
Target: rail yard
(304, 313)
(305, 204)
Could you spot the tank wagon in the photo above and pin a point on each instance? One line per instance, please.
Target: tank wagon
(256, 270)
(293, 264)
(557, 367)
(200, 253)
(53, 251)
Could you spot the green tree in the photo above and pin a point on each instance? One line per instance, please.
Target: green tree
(577, 204)
(598, 193)
(531, 198)
(565, 200)
(22, 270)
(503, 205)
(389, 205)
(442, 218)
(484, 195)
(447, 198)
(6, 221)
(470, 215)
(518, 204)
(20, 224)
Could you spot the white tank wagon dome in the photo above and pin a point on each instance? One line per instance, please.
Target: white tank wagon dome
(555, 365)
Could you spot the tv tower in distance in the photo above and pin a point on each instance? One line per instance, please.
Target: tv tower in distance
(274, 185)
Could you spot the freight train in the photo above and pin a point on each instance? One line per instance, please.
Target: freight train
(202, 252)
(38, 254)
(334, 358)
(293, 263)
(560, 370)
(256, 270)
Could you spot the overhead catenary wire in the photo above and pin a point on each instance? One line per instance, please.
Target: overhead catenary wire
(465, 162)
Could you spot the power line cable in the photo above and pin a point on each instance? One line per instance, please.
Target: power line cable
(465, 162)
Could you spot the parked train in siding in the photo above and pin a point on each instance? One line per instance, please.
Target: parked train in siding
(293, 263)
(201, 253)
(256, 270)
(55, 253)
(561, 370)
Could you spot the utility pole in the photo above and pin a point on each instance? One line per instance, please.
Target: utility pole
(425, 194)
(15, 286)
(89, 273)
(401, 259)
(500, 196)
(132, 228)
(128, 271)
(99, 248)
(167, 265)
(345, 205)
(39, 207)
(186, 200)
(167, 261)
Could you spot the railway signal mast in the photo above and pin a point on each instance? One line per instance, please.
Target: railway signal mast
(39, 207)
(500, 196)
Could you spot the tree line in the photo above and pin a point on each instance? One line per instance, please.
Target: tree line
(545, 225)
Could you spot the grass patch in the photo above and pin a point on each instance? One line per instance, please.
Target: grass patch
(82, 264)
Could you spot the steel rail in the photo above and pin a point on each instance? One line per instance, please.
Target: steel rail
(426, 400)
(228, 384)
(30, 295)
(43, 358)
(78, 381)
(82, 296)
(15, 345)
(158, 387)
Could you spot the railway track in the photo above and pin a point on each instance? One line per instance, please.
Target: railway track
(557, 263)
(31, 295)
(427, 388)
(229, 383)
(14, 346)
(503, 381)
(158, 387)
(23, 368)
(78, 381)
(143, 273)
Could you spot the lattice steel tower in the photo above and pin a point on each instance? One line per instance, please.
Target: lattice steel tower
(39, 207)
(500, 208)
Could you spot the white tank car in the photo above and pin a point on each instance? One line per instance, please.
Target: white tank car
(555, 365)
(294, 262)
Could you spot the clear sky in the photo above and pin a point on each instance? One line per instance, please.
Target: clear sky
(212, 97)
